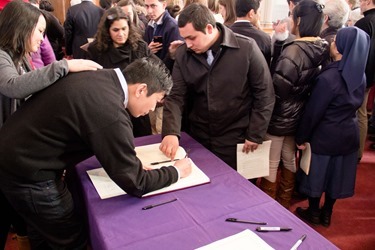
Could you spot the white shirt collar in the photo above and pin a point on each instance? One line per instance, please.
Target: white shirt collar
(124, 85)
(242, 21)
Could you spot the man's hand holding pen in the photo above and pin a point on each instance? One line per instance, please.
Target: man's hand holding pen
(183, 166)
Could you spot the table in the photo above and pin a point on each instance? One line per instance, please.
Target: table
(197, 218)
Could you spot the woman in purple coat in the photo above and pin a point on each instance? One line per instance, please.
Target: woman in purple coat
(330, 125)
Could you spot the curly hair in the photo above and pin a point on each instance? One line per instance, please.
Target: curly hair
(103, 37)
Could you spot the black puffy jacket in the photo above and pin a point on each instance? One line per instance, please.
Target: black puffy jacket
(295, 72)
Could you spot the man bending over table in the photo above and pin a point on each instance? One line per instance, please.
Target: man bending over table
(82, 115)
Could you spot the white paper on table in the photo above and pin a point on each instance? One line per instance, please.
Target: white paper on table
(254, 164)
(106, 188)
(306, 159)
(244, 240)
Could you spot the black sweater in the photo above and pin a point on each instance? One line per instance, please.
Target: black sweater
(79, 116)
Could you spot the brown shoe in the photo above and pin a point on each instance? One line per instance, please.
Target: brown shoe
(23, 243)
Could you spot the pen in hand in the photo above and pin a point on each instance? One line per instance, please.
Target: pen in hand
(159, 162)
(299, 242)
(159, 204)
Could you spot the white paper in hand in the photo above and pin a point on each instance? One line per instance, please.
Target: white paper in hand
(306, 159)
(254, 164)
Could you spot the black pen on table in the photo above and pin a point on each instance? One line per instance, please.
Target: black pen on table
(246, 221)
(299, 242)
(159, 204)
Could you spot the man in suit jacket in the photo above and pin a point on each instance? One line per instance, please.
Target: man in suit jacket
(246, 11)
(80, 24)
(229, 100)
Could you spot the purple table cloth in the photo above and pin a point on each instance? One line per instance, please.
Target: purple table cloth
(197, 218)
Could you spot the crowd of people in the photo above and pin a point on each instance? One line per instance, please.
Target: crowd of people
(129, 68)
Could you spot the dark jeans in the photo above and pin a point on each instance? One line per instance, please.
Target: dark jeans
(49, 211)
(9, 217)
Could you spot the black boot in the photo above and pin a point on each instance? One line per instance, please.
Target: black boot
(309, 215)
(325, 218)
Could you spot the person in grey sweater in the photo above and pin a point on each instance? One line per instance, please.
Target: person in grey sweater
(22, 27)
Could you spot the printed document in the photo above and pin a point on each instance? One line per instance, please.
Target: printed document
(254, 164)
(245, 240)
(148, 154)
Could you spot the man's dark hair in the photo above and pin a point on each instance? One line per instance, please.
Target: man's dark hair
(198, 15)
(311, 17)
(244, 6)
(150, 71)
(46, 5)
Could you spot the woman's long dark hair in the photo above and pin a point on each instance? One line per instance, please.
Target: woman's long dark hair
(17, 23)
(311, 17)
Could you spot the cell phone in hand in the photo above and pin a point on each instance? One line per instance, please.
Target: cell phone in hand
(158, 39)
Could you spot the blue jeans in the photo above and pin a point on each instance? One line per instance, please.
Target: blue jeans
(48, 209)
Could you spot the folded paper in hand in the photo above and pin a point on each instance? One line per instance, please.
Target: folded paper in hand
(106, 188)
(306, 159)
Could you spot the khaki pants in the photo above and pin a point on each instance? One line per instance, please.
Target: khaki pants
(282, 147)
(156, 119)
(362, 123)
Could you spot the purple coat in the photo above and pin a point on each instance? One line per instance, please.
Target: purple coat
(44, 55)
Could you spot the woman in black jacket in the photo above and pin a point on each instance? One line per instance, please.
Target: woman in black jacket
(295, 71)
(118, 43)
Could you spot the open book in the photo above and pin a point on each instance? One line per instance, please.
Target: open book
(148, 154)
